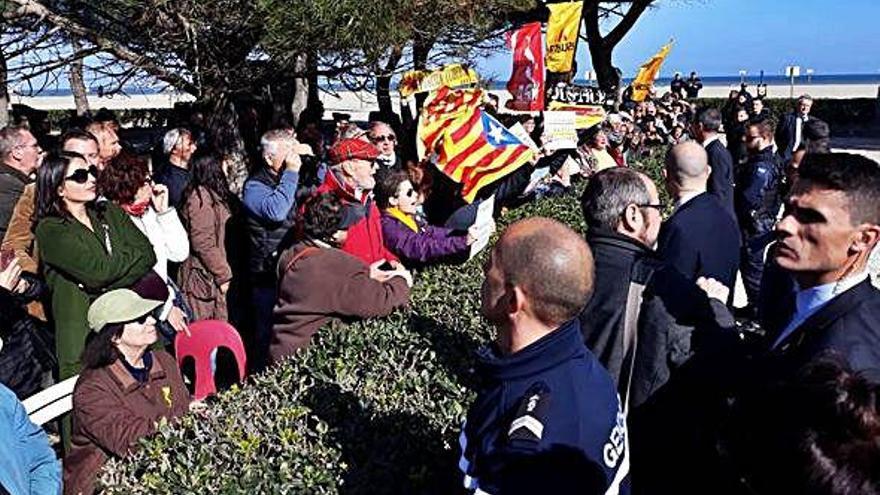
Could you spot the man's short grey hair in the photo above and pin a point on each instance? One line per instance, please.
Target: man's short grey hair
(173, 137)
(608, 194)
(804, 97)
(10, 137)
(377, 124)
(270, 139)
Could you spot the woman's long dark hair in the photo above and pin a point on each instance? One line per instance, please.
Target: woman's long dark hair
(100, 350)
(50, 177)
(206, 170)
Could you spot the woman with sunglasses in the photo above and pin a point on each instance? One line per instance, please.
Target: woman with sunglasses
(126, 181)
(125, 388)
(87, 247)
(406, 234)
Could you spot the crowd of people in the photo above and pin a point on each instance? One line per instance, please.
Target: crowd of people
(617, 356)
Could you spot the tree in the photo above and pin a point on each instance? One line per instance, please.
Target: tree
(597, 12)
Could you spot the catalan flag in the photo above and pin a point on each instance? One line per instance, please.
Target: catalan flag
(440, 111)
(477, 150)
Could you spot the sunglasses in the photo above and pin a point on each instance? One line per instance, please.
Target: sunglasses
(143, 319)
(658, 206)
(81, 176)
(409, 193)
(379, 139)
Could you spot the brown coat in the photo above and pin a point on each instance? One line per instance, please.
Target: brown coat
(202, 274)
(20, 238)
(321, 284)
(112, 410)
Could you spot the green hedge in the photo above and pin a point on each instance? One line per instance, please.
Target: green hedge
(370, 407)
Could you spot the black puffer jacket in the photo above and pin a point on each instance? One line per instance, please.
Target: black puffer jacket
(26, 353)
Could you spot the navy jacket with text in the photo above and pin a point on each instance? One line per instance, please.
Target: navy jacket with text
(547, 420)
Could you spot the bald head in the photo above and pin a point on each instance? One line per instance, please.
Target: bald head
(550, 263)
(687, 165)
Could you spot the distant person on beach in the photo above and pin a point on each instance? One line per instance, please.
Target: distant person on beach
(677, 85)
(791, 127)
(693, 85)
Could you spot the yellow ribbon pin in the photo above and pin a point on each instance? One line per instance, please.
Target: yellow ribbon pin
(166, 394)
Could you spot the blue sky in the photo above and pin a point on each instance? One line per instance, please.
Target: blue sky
(720, 37)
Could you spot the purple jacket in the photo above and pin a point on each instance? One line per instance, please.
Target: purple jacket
(429, 244)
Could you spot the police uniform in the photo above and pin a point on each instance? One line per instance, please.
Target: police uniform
(757, 205)
(547, 420)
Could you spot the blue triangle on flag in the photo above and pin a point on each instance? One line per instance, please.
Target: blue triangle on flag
(496, 134)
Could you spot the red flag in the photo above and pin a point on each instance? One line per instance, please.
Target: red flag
(527, 79)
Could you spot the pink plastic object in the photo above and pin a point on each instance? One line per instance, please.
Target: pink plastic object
(207, 335)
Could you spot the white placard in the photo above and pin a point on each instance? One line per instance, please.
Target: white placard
(520, 132)
(560, 130)
(484, 225)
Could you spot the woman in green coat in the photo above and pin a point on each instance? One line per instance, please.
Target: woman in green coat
(87, 247)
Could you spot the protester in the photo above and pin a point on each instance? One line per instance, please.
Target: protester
(351, 178)
(700, 239)
(757, 202)
(562, 167)
(108, 142)
(319, 281)
(20, 234)
(594, 144)
(26, 347)
(178, 145)
(547, 417)
(21, 155)
(29, 464)
(270, 213)
(759, 111)
(405, 234)
(85, 247)
(126, 181)
(830, 226)
(207, 274)
(384, 139)
(124, 390)
(705, 129)
(791, 126)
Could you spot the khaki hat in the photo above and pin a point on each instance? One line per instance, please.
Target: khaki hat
(119, 306)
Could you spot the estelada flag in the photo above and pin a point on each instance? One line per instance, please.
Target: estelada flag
(586, 116)
(440, 110)
(648, 72)
(526, 83)
(562, 34)
(477, 150)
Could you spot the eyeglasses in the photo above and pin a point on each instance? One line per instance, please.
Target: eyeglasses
(658, 206)
(81, 176)
(379, 139)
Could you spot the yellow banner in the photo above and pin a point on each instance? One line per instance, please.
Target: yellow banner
(451, 76)
(586, 116)
(644, 81)
(562, 35)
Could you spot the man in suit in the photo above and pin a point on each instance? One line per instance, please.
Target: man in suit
(830, 227)
(700, 239)
(790, 131)
(705, 130)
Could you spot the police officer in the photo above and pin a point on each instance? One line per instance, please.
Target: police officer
(757, 201)
(547, 419)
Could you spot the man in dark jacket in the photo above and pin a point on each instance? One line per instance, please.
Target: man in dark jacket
(21, 155)
(705, 130)
(790, 132)
(269, 203)
(548, 418)
(178, 145)
(831, 225)
(700, 239)
(757, 202)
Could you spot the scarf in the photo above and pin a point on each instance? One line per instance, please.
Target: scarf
(136, 209)
(405, 219)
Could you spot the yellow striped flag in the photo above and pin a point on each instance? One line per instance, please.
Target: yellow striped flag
(477, 150)
(648, 72)
(562, 35)
(438, 113)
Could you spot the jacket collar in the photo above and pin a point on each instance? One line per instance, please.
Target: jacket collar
(127, 382)
(560, 345)
(18, 174)
(333, 183)
(764, 155)
(825, 316)
(605, 237)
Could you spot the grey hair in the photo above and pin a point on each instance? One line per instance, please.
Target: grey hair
(710, 118)
(375, 124)
(804, 97)
(10, 137)
(173, 137)
(608, 194)
(269, 140)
